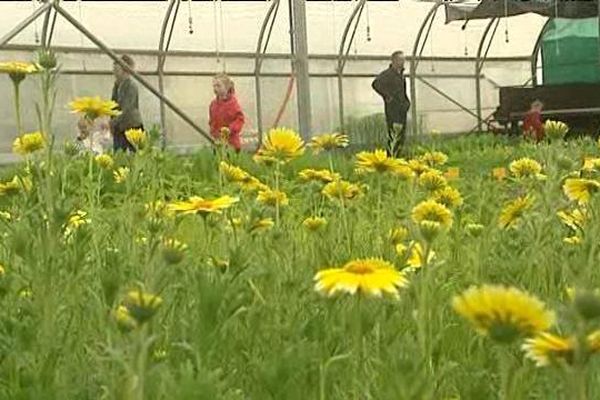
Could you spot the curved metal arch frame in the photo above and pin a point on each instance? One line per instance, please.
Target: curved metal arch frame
(536, 51)
(261, 49)
(162, 56)
(343, 52)
(479, 64)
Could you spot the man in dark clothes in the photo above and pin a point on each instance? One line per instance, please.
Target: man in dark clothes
(125, 93)
(391, 86)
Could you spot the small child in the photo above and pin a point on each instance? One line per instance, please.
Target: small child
(533, 128)
(93, 136)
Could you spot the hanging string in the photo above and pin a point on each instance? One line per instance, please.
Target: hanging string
(465, 41)
(216, 31)
(190, 21)
(36, 34)
(222, 34)
(368, 24)
(506, 39)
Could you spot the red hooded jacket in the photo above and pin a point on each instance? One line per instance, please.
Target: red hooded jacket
(227, 113)
(533, 126)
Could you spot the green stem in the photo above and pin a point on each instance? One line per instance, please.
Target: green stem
(505, 373)
(358, 331)
(18, 106)
(277, 168)
(424, 307)
(140, 364)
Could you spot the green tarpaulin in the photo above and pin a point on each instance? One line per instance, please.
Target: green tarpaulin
(570, 51)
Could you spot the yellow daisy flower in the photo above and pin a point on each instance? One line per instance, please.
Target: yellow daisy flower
(341, 190)
(272, 198)
(431, 210)
(452, 173)
(203, 206)
(503, 313)
(120, 174)
(314, 223)
(448, 196)
(105, 161)
(574, 240)
(398, 235)
(141, 305)
(514, 210)
(320, 175)
(499, 173)
(580, 190)
(546, 347)
(281, 144)
(574, 219)
(526, 168)
(417, 166)
(403, 172)
(370, 276)
(328, 141)
(173, 250)
(29, 143)
(16, 185)
(261, 225)
(432, 180)
(94, 107)
(137, 137)
(124, 320)
(376, 161)
(17, 70)
(416, 259)
(434, 158)
(555, 129)
(591, 164)
(233, 173)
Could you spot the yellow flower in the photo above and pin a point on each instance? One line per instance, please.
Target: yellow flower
(341, 190)
(16, 185)
(233, 173)
(173, 250)
(17, 70)
(158, 209)
(105, 161)
(499, 173)
(252, 184)
(29, 143)
(124, 320)
(400, 249)
(580, 190)
(526, 168)
(261, 225)
(5, 215)
(137, 137)
(398, 235)
(142, 306)
(555, 129)
(514, 210)
(432, 180)
(2, 271)
(321, 175)
(371, 276)
(328, 141)
(376, 161)
(434, 158)
(452, 173)
(448, 196)
(431, 210)
(574, 219)
(417, 166)
(218, 263)
(272, 198)
(404, 172)
(591, 164)
(416, 259)
(503, 313)
(203, 206)
(281, 144)
(77, 219)
(546, 347)
(574, 240)
(314, 223)
(474, 229)
(120, 174)
(94, 107)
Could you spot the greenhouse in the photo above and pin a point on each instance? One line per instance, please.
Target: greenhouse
(298, 199)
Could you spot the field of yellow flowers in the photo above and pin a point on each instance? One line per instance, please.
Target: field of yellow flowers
(465, 271)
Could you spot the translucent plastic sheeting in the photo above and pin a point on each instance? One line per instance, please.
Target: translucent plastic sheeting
(234, 26)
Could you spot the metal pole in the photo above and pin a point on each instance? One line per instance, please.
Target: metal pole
(478, 67)
(536, 52)
(25, 23)
(444, 95)
(301, 68)
(413, 69)
(160, 69)
(342, 54)
(258, 58)
(134, 74)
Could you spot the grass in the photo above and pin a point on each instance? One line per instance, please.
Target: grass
(257, 329)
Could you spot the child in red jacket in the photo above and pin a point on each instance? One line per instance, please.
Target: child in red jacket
(225, 111)
(533, 128)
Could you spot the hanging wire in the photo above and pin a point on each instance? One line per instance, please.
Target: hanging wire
(216, 32)
(36, 33)
(465, 40)
(190, 20)
(506, 39)
(368, 23)
(222, 34)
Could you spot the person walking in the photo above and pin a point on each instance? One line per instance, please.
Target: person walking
(225, 112)
(125, 93)
(391, 86)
